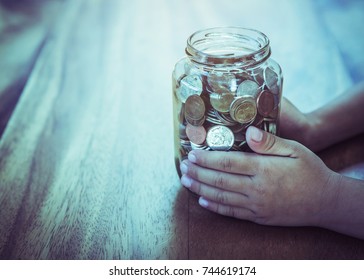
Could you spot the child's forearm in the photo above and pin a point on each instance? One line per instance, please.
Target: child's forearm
(345, 214)
(338, 120)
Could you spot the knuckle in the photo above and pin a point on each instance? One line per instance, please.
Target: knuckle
(296, 148)
(196, 187)
(225, 163)
(192, 170)
(225, 210)
(270, 143)
(262, 215)
(221, 197)
(219, 181)
(231, 212)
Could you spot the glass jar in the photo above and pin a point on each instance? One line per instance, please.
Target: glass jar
(226, 83)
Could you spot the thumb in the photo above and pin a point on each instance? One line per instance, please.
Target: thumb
(266, 143)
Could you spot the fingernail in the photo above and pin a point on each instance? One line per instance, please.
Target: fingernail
(256, 134)
(186, 181)
(191, 157)
(203, 202)
(183, 167)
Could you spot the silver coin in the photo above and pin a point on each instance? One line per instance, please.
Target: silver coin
(199, 147)
(258, 75)
(220, 138)
(213, 120)
(248, 87)
(211, 117)
(189, 85)
(185, 146)
(222, 82)
(225, 119)
(185, 143)
(272, 128)
(221, 101)
(178, 82)
(271, 80)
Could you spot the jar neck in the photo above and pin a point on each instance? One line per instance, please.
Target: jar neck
(228, 47)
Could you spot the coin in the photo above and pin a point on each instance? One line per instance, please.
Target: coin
(182, 131)
(258, 75)
(196, 134)
(248, 87)
(225, 118)
(222, 82)
(189, 85)
(237, 128)
(194, 107)
(272, 128)
(221, 101)
(265, 103)
(220, 138)
(181, 115)
(195, 122)
(243, 109)
(185, 143)
(239, 136)
(185, 146)
(271, 80)
(275, 112)
(199, 147)
(258, 121)
(178, 82)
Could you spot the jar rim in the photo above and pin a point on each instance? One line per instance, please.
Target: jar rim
(244, 46)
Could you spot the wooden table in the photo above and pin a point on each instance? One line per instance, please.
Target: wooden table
(86, 159)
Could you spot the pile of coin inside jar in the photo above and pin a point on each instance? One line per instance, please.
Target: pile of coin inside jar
(217, 108)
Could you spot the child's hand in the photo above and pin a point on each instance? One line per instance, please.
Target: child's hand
(296, 125)
(283, 184)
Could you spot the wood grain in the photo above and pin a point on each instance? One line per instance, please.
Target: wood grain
(79, 157)
(86, 159)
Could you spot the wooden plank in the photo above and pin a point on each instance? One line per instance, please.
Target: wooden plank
(80, 169)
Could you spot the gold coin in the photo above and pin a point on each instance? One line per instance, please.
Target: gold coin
(243, 110)
(221, 101)
(194, 107)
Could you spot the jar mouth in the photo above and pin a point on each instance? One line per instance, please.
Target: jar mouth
(235, 46)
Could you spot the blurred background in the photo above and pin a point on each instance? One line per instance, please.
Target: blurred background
(318, 43)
